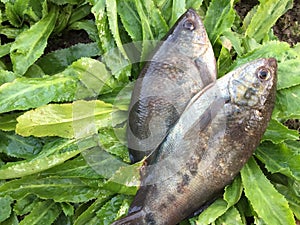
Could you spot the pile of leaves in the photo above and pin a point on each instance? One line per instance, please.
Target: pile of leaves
(62, 124)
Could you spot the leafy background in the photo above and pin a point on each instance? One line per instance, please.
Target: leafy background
(49, 98)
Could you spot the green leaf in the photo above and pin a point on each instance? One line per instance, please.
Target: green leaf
(30, 44)
(126, 180)
(18, 146)
(5, 208)
(293, 199)
(111, 142)
(58, 60)
(234, 40)
(65, 120)
(29, 8)
(274, 49)
(25, 93)
(63, 150)
(77, 167)
(288, 74)
(269, 205)
(164, 6)
(178, 8)
(214, 211)
(113, 58)
(158, 24)
(232, 216)
(7, 76)
(281, 158)
(5, 49)
(44, 213)
(111, 8)
(59, 189)
(8, 121)
(114, 209)
(102, 162)
(285, 107)
(89, 27)
(84, 78)
(80, 12)
(62, 2)
(219, 18)
(67, 208)
(147, 46)
(89, 215)
(12, 220)
(224, 61)
(233, 192)
(26, 204)
(13, 170)
(106, 39)
(260, 23)
(130, 19)
(277, 133)
(12, 15)
(193, 4)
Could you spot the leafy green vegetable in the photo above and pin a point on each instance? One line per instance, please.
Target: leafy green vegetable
(216, 209)
(259, 26)
(283, 158)
(64, 120)
(30, 44)
(8, 122)
(84, 78)
(113, 209)
(5, 208)
(265, 200)
(62, 58)
(219, 17)
(45, 212)
(18, 146)
(63, 108)
(285, 105)
(278, 133)
(232, 216)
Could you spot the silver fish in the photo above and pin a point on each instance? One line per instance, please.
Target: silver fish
(181, 66)
(207, 147)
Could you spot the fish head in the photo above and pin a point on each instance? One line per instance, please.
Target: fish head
(254, 84)
(189, 37)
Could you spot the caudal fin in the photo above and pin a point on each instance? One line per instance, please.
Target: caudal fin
(136, 218)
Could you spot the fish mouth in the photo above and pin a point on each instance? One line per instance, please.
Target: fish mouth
(191, 13)
(272, 62)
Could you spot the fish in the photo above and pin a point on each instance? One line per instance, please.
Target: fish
(181, 66)
(207, 147)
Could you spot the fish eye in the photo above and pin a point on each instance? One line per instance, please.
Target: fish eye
(189, 25)
(263, 74)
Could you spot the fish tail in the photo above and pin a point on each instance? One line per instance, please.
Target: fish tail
(136, 218)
